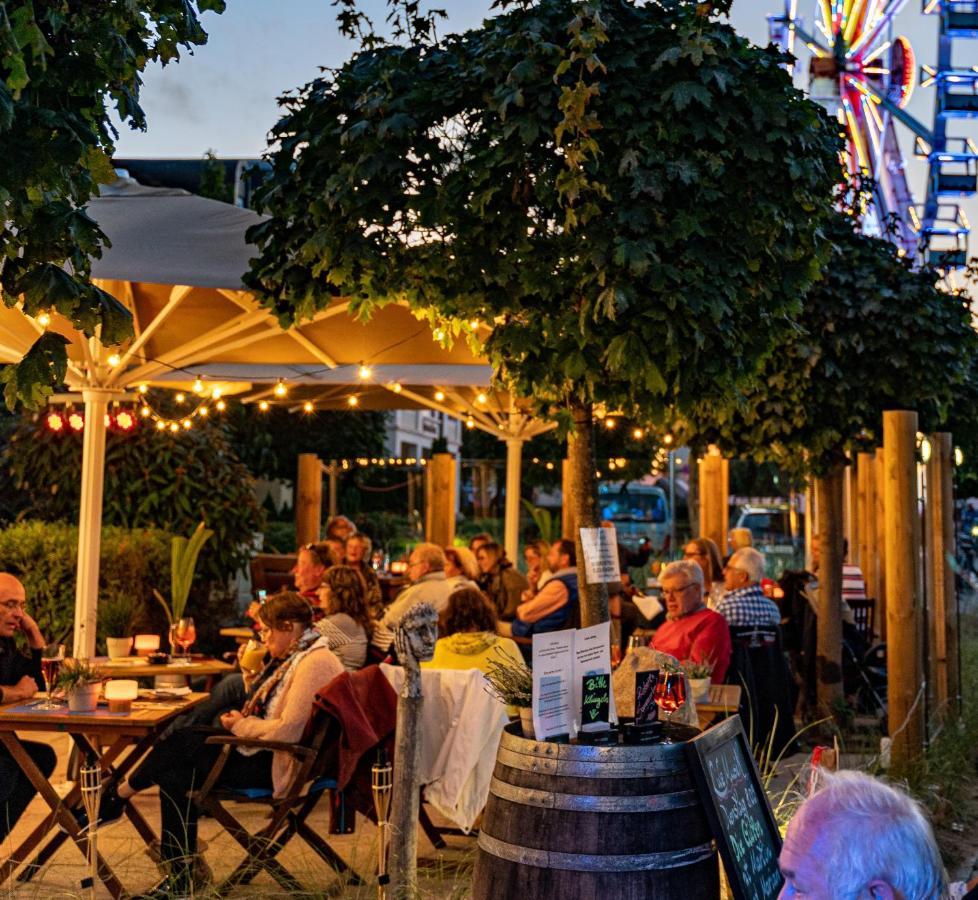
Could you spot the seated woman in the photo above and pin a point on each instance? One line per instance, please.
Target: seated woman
(347, 624)
(706, 555)
(358, 547)
(535, 554)
(277, 708)
(461, 569)
(469, 639)
(502, 582)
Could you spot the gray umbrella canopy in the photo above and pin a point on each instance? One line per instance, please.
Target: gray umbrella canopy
(176, 261)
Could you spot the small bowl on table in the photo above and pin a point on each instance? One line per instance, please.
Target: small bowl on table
(159, 658)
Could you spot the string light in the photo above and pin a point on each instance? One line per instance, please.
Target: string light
(280, 389)
(481, 398)
(160, 425)
(180, 398)
(958, 456)
(55, 422)
(638, 434)
(174, 427)
(43, 320)
(470, 422)
(354, 400)
(114, 360)
(221, 406)
(364, 372)
(76, 422)
(610, 423)
(438, 334)
(263, 405)
(125, 421)
(198, 386)
(186, 423)
(397, 388)
(216, 392)
(667, 439)
(439, 396)
(203, 412)
(145, 411)
(307, 407)
(143, 388)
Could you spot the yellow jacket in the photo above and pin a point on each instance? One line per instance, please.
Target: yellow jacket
(473, 650)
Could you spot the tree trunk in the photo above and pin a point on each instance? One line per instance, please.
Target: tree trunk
(828, 650)
(584, 501)
(693, 496)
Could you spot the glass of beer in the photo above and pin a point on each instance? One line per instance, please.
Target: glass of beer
(252, 657)
(52, 657)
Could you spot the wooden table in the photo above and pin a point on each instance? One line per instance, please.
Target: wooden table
(104, 735)
(209, 668)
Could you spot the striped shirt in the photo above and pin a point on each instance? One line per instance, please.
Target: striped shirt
(853, 583)
(346, 638)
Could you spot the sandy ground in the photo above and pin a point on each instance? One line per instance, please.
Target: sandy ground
(442, 874)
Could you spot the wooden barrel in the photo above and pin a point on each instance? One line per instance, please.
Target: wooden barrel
(567, 821)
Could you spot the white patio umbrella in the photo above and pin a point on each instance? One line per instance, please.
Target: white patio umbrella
(176, 262)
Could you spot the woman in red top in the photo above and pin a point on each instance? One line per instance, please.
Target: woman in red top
(691, 631)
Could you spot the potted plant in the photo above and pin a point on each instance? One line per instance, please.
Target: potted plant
(79, 680)
(699, 674)
(512, 684)
(183, 561)
(116, 613)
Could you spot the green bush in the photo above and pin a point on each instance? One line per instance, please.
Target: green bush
(43, 556)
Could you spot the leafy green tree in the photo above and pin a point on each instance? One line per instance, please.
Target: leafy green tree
(629, 196)
(213, 179)
(61, 66)
(874, 334)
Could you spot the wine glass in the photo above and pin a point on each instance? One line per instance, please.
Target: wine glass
(670, 692)
(52, 657)
(185, 634)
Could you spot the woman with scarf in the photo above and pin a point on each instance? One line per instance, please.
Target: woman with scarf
(277, 708)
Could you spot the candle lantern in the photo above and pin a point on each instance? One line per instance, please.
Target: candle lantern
(120, 693)
(146, 644)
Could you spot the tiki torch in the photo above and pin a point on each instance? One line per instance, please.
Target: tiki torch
(91, 790)
(382, 784)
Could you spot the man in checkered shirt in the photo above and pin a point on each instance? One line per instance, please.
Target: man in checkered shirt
(744, 604)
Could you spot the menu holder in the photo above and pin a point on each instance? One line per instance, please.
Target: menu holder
(738, 810)
(596, 711)
(646, 729)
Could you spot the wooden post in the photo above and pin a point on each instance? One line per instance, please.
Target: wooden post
(714, 472)
(830, 490)
(333, 471)
(881, 544)
(866, 507)
(309, 499)
(851, 506)
(811, 524)
(939, 529)
(440, 489)
(903, 604)
(568, 526)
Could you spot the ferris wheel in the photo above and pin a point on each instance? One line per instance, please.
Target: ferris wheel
(864, 75)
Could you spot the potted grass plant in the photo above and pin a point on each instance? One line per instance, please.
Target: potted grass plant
(699, 675)
(116, 613)
(512, 684)
(79, 680)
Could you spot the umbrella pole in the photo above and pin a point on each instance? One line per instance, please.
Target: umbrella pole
(90, 519)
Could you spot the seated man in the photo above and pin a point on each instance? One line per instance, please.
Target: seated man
(858, 837)
(20, 676)
(744, 605)
(553, 607)
(426, 571)
(691, 631)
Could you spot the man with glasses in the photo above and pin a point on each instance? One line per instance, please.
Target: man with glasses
(20, 676)
(744, 605)
(426, 572)
(691, 631)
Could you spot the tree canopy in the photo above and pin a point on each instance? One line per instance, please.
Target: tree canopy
(875, 333)
(61, 67)
(629, 196)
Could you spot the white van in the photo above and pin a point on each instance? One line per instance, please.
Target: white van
(639, 511)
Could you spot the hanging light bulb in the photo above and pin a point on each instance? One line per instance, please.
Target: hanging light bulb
(667, 439)
(198, 386)
(43, 319)
(638, 434)
(221, 406)
(216, 392)
(364, 372)
(143, 388)
(180, 398)
(263, 405)
(280, 389)
(114, 360)
(474, 324)
(925, 449)
(174, 427)
(397, 388)
(550, 466)
(481, 398)
(160, 425)
(470, 422)
(55, 422)
(144, 411)
(610, 423)
(186, 423)
(958, 456)
(353, 400)
(439, 396)
(438, 334)
(307, 407)
(203, 412)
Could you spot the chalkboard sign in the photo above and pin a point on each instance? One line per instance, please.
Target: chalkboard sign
(738, 810)
(646, 709)
(595, 700)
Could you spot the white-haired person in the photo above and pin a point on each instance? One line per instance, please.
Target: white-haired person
(861, 839)
(744, 604)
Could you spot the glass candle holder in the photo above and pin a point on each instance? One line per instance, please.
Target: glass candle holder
(120, 693)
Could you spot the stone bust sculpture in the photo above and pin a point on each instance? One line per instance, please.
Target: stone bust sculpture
(414, 641)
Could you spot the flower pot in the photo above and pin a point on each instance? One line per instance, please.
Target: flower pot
(83, 698)
(526, 720)
(118, 647)
(700, 689)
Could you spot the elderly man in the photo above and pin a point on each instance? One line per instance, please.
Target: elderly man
(744, 605)
(426, 571)
(858, 837)
(691, 631)
(20, 676)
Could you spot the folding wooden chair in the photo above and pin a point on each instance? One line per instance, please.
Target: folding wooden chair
(287, 814)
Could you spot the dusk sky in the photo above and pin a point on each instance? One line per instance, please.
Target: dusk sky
(223, 97)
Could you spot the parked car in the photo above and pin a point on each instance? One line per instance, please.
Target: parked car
(638, 510)
(770, 528)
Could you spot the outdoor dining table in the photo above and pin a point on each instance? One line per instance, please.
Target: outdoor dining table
(140, 667)
(724, 700)
(241, 633)
(103, 735)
